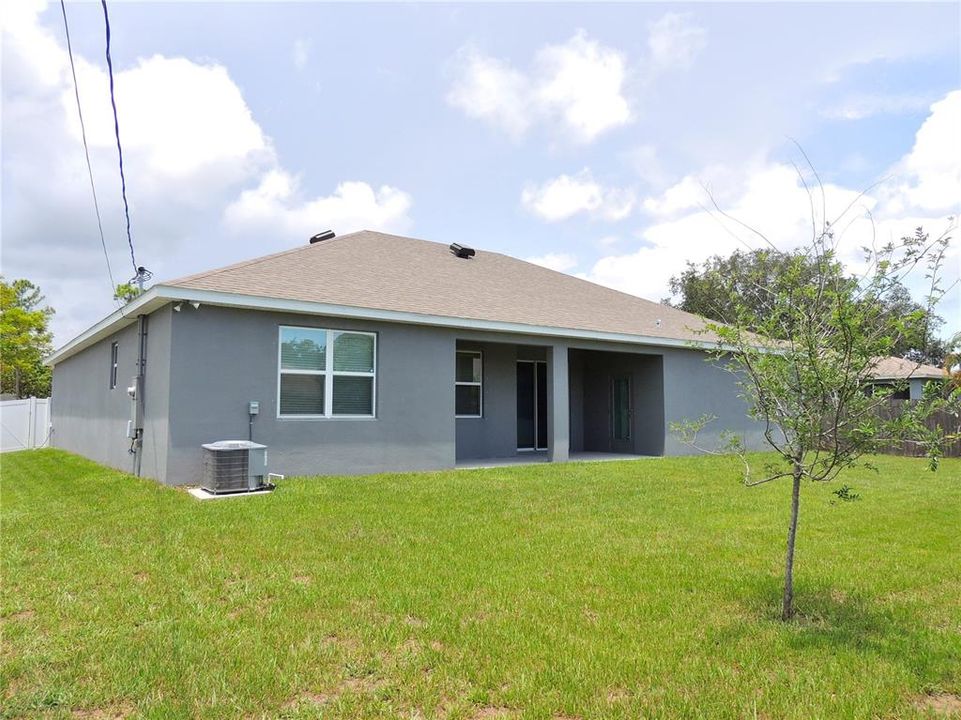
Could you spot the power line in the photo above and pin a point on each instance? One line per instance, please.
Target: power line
(116, 128)
(86, 151)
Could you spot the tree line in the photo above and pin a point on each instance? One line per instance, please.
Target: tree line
(25, 339)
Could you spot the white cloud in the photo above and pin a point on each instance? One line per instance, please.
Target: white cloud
(687, 194)
(578, 85)
(300, 53)
(561, 262)
(191, 147)
(675, 41)
(583, 82)
(770, 199)
(277, 206)
(490, 89)
(567, 195)
(166, 146)
(928, 178)
(925, 190)
(863, 106)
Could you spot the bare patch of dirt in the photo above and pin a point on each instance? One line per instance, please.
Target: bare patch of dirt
(491, 712)
(316, 698)
(618, 695)
(307, 699)
(360, 685)
(13, 687)
(409, 647)
(302, 579)
(114, 712)
(443, 708)
(946, 704)
(21, 616)
(141, 577)
(347, 644)
(352, 686)
(437, 646)
(414, 621)
(590, 615)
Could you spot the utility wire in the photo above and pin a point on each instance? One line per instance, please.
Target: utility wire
(86, 151)
(116, 128)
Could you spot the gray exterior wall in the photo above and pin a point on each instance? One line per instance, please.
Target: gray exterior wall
(916, 388)
(223, 358)
(90, 419)
(205, 365)
(695, 386)
(495, 434)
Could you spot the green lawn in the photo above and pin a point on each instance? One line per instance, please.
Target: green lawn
(615, 590)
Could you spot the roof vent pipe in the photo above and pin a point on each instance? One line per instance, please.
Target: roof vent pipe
(321, 236)
(462, 251)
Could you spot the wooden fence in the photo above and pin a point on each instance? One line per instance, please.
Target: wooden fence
(949, 423)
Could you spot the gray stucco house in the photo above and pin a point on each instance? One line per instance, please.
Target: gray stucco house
(371, 352)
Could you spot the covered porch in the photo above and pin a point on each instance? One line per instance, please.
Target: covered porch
(525, 403)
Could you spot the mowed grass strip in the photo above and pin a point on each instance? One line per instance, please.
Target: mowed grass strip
(604, 590)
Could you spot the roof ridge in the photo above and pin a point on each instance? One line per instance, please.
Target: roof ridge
(254, 261)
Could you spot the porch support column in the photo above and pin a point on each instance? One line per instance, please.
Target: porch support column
(558, 407)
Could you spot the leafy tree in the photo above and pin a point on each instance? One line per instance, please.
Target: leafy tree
(716, 288)
(803, 346)
(952, 360)
(126, 292)
(24, 339)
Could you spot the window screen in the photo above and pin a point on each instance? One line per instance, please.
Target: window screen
(469, 384)
(326, 373)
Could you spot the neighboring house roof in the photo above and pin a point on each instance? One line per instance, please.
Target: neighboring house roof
(377, 276)
(895, 368)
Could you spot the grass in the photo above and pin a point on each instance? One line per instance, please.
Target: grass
(607, 590)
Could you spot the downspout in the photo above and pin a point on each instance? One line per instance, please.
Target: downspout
(137, 445)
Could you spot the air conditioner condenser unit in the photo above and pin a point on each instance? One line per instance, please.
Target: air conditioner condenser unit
(234, 466)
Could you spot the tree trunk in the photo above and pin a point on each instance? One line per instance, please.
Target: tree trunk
(787, 606)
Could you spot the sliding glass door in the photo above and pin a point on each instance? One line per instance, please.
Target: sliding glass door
(531, 405)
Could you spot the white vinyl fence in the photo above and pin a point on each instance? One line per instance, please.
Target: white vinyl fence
(24, 424)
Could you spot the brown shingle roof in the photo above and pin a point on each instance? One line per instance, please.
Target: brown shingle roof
(388, 272)
(895, 368)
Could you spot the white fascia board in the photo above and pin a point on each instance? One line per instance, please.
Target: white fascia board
(256, 302)
(160, 295)
(893, 378)
(118, 319)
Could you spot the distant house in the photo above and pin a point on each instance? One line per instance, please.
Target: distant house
(372, 352)
(907, 377)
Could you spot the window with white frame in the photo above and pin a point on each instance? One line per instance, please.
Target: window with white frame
(326, 373)
(114, 355)
(469, 384)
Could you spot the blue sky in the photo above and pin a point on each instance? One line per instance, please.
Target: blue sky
(582, 136)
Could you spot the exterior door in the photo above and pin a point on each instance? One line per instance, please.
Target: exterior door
(531, 405)
(622, 414)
